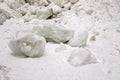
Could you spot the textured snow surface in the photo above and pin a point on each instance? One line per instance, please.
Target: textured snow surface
(100, 18)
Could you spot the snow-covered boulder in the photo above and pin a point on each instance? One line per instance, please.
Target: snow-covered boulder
(80, 40)
(3, 16)
(30, 45)
(81, 56)
(53, 32)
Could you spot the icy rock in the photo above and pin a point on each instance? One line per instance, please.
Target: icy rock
(58, 2)
(44, 13)
(56, 9)
(30, 45)
(53, 32)
(80, 40)
(3, 16)
(32, 12)
(81, 56)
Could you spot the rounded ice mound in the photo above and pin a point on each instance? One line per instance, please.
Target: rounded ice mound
(30, 45)
(80, 40)
(81, 56)
(53, 32)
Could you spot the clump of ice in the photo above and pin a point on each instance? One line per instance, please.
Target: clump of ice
(3, 16)
(35, 12)
(30, 45)
(80, 40)
(81, 56)
(38, 2)
(54, 32)
(14, 4)
(58, 2)
(44, 13)
(55, 8)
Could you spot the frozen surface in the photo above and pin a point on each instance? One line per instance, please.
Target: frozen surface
(100, 18)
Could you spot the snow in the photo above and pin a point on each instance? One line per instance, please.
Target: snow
(100, 18)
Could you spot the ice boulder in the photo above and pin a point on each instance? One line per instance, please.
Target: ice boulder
(53, 32)
(3, 16)
(30, 45)
(81, 56)
(44, 13)
(55, 8)
(80, 40)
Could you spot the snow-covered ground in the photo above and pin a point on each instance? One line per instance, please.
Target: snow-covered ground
(100, 18)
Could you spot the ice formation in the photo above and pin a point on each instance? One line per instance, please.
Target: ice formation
(30, 45)
(81, 56)
(53, 32)
(3, 16)
(80, 40)
(14, 4)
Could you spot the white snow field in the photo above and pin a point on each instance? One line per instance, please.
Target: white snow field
(71, 39)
